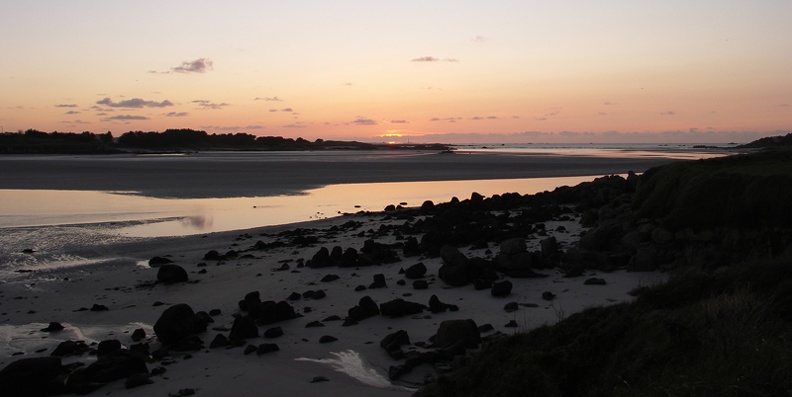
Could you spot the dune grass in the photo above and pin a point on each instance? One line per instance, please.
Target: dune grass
(699, 334)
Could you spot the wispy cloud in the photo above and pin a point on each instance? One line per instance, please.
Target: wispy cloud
(268, 99)
(177, 114)
(127, 117)
(66, 105)
(135, 103)
(480, 39)
(433, 59)
(478, 118)
(209, 104)
(70, 112)
(364, 121)
(446, 119)
(399, 122)
(295, 125)
(197, 66)
(668, 113)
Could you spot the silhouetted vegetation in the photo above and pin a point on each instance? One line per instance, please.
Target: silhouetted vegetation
(700, 334)
(719, 329)
(33, 141)
(769, 142)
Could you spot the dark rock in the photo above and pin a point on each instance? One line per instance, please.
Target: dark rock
(452, 332)
(274, 332)
(202, 320)
(481, 284)
(366, 308)
(513, 246)
(511, 324)
(427, 207)
(595, 281)
(511, 307)
(219, 340)
(501, 289)
(294, 296)
(415, 271)
(118, 365)
(549, 246)
(212, 256)
(320, 259)
(330, 277)
(243, 328)
(360, 288)
(53, 327)
(420, 284)
(349, 258)
(250, 349)
(314, 324)
(548, 296)
(106, 347)
(485, 328)
(98, 308)
(251, 303)
(32, 377)
(379, 281)
(170, 274)
(411, 247)
(158, 261)
(70, 348)
(176, 323)
(138, 335)
(392, 344)
(271, 312)
(399, 307)
(436, 306)
(327, 339)
(265, 348)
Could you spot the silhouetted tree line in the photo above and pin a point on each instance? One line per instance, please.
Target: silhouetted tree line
(33, 141)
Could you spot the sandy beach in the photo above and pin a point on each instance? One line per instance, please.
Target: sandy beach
(317, 354)
(354, 364)
(256, 174)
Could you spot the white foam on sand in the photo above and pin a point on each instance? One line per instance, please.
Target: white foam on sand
(350, 363)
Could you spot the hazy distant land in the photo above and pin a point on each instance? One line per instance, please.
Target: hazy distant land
(174, 140)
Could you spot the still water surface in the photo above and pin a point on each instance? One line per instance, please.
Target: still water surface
(140, 216)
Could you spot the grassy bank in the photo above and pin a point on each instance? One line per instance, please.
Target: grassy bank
(703, 333)
(700, 334)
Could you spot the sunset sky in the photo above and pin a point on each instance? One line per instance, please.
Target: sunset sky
(436, 71)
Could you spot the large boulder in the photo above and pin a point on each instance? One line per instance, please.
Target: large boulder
(243, 328)
(400, 307)
(415, 271)
(36, 376)
(457, 332)
(513, 246)
(118, 365)
(170, 274)
(176, 323)
(455, 267)
(365, 308)
(501, 289)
